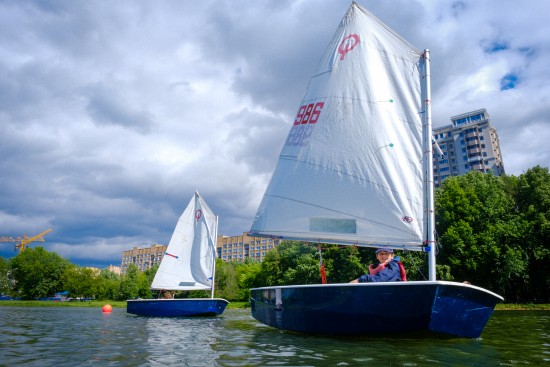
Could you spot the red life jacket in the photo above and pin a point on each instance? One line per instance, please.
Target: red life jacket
(379, 268)
(402, 271)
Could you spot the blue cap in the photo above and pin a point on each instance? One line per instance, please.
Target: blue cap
(385, 249)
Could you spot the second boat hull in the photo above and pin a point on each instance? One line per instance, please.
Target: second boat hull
(177, 307)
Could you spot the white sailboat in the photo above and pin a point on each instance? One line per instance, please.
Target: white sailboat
(188, 264)
(356, 169)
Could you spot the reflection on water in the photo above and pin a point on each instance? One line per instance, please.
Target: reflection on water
(67, 337)
(180, 340)
(76, 337)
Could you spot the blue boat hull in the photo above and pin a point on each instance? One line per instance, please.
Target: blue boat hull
(450, 308)
(177, 307)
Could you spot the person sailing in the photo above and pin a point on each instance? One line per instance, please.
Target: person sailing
(166, 294)
(388, 268)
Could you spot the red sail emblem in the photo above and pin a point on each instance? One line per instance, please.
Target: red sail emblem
(348, 44)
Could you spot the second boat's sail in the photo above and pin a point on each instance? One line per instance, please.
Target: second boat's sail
(350, 171)
(188, 263)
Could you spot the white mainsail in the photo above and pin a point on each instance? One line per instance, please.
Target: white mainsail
(189, 261)
(351, 171)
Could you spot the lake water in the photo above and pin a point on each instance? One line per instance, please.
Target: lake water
(39, 336)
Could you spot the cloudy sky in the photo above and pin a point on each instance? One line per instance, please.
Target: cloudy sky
(113, 113)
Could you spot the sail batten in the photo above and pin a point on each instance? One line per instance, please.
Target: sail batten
(350, 171)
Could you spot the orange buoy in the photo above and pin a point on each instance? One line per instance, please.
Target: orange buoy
(107, 308)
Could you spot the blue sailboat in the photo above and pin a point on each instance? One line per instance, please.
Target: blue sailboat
(356, 169)
(188, 264)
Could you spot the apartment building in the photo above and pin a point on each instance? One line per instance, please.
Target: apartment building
(470, 143)
(239, 248)
(229, 248)
(144, 257)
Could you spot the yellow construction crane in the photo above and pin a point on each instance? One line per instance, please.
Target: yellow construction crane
(25, 240)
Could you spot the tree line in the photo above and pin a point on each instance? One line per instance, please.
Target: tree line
(492, 231)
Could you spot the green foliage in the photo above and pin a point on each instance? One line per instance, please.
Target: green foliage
(107, 285)
(291, 263)
(234, 279)
(494, 232)
(247, 274)
(80, 282)
(38, 273)
(150, 274)
(533, 205)
(416, 265)
(343, 264)
(443, 272)
(134, 284)
(5, 282)
(226, 280)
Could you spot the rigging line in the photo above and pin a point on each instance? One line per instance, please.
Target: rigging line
(414, 264)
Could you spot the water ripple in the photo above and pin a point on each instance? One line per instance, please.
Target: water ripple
(84, 337)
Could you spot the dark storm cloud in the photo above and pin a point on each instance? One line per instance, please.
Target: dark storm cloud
(108, 109)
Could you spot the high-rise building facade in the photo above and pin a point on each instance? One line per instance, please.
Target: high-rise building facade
(229, 248)
(470, 143)
(239, 248)
(144, 257)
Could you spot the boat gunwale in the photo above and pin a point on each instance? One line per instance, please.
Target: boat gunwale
(176, 299)
(379, 284)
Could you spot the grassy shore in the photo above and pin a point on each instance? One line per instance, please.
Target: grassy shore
(122, 304)
(523, 307)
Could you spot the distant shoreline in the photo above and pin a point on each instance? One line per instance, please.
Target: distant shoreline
(242, 305)
(97, 304)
